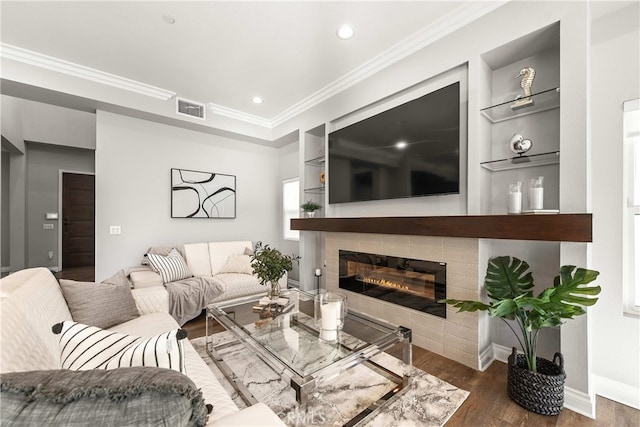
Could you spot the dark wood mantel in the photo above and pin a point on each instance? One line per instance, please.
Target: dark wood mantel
(554, 228)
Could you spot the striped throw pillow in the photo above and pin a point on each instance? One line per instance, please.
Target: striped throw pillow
(85, 347)
(171, 267)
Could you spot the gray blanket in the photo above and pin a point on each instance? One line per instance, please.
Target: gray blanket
(188, 297)
(141, 396)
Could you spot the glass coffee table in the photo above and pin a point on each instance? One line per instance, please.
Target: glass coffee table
(288, 340)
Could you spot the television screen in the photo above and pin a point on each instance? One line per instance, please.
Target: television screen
(411, 150)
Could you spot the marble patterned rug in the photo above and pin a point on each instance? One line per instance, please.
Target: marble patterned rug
(427, 402)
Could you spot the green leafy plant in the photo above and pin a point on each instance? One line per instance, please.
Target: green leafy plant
(269, 264)
(310, 206)
(509, 286)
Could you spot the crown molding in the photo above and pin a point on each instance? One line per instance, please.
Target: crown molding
(50, 63)
(221, 110)
(443, 26)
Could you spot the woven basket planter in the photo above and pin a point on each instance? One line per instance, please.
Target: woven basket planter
(541, 392)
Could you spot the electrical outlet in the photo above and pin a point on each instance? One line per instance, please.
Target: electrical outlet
(50, 254)
(47, 226)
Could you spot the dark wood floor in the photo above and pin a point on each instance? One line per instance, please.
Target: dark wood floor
(82, 274)
(488, 403)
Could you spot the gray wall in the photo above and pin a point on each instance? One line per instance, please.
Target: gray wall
(36, 186)
(59, 126)
(44, 163)
(4, 193)
(133, 162)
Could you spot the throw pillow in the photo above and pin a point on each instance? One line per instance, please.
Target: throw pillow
(119, 397)
(171, 267)
(237, 264)
(120, 278)
(100, 304)
(87, 347)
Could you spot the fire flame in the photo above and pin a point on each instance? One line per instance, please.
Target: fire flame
(384, 282)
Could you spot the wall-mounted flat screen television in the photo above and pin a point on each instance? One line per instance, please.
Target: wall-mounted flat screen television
(411, 150)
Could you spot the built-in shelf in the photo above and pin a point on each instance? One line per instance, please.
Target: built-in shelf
(318, 161)
(542, 101)
(553, 228)
(314, 190)
(524, 161)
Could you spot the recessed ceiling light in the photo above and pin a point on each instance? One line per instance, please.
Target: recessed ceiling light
(169, 19)
(257, 100)
(401, 145)
(345, 32)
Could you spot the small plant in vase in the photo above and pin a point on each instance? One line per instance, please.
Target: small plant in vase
(533, 382)
(310, 208)
(269, 265)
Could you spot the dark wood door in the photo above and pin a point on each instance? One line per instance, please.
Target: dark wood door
(78, 220)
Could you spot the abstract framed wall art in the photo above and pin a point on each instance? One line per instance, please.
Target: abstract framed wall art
(197, 194)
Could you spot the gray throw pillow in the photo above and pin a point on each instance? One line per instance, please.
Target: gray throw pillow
(99, 304)
(120, 278)
(142, 396)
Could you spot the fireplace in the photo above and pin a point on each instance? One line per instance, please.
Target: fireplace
(412, 283)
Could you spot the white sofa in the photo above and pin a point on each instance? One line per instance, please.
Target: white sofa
(31, 302)
(209, 260)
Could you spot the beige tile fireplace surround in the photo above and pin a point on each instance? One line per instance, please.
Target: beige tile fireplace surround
(455, 337)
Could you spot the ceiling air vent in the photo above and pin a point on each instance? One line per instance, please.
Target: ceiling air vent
(190, 108)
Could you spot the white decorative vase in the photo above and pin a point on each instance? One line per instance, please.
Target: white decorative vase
(310, 214)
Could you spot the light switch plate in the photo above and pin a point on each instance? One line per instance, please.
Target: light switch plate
(115, 229)
(47, 226)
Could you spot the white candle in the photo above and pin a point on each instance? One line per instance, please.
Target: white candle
(515, 202)
(318, 272)
(536, 197)
(329, 321)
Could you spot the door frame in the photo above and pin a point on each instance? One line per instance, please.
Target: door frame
(60, 173)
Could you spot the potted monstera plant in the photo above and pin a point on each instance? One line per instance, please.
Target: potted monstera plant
(269, 265)
(533, 382)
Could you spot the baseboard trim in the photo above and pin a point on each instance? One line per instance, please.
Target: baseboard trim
(580, 402)
(486, 358)
(575, 400)
(501, 353)
(617, 391)
(293, 283)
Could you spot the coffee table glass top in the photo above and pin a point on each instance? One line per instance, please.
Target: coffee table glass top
(293, 338)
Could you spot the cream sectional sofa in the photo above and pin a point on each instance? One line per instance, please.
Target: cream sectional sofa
(224, 262)
(31, 302)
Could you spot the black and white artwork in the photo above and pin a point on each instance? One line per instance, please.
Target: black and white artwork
(197, 194)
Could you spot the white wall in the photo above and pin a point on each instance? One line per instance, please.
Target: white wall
(133, 162)
(615, 67)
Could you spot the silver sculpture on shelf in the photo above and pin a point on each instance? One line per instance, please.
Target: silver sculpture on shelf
(525, 100)
(519, 145)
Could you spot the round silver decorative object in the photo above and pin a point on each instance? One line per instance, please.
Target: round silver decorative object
(519, 145)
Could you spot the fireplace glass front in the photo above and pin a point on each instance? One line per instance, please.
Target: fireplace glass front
(412, 283)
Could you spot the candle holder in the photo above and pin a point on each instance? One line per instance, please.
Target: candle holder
(536, 193)
(330, 308)
(514, 205)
